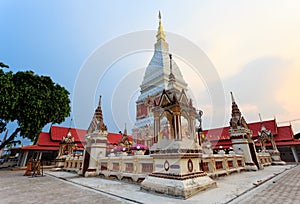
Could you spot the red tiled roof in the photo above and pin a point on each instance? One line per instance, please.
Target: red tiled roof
(114, 138)
(58, 132)
(45, 140)
(269, 125)
(217, 133)
(51, 141)
(223, 133)
(284, 133)
(40, 148)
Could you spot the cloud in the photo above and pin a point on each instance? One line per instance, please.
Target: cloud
(256, 87)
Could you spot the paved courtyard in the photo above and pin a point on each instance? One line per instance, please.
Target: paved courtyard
(274, 184)
(284, 188)
(16, 188)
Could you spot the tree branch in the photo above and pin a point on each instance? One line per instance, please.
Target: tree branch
(11, 138)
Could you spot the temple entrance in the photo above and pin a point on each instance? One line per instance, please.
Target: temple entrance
(86, 160)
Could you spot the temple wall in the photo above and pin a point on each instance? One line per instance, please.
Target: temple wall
(137, 167)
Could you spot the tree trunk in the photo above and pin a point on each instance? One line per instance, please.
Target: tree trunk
(10, 138)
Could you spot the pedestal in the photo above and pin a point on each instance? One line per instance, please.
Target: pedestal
(276, 159)
(177, 169)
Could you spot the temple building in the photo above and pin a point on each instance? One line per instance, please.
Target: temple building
(54, 145)
(155, 80)
(284, 139)
(48, 145)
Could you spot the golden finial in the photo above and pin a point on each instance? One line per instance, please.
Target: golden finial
(160, 33)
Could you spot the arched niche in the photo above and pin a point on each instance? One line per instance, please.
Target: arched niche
(185, 130)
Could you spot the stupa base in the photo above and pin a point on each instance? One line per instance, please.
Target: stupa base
(184, 188)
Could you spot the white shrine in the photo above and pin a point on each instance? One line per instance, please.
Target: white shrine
(241, 138)
(176, 158)
(154, 82)
(96, 141)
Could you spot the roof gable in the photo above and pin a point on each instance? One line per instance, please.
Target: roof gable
(164, 99)
(57, 133)
(183, 98)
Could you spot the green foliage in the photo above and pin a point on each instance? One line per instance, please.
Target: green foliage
(32, 102)
(3, 65)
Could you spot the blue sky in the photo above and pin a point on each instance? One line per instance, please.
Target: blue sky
(253, 45)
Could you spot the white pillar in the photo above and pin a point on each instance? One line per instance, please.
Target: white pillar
(295, 154)
(23, 163)
(40, 156)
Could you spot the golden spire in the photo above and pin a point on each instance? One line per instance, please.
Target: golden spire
(160, 33)
(235, 110)
(125, 130)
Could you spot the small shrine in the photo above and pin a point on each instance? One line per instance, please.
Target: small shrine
(66, 148)
(266, 136)
(241, 138)
(96, 142)
(176, 158)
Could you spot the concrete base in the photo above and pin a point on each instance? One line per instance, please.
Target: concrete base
(90, 173)
(60, 161)
(251, 167)
(178, 188)
(278, 163)
(276, 160)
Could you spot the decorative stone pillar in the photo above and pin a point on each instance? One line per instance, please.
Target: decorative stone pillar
(98, 142)
(241, 138)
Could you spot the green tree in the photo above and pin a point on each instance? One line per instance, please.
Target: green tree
(31, 102)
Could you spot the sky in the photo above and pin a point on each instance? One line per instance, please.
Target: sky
(252, 48)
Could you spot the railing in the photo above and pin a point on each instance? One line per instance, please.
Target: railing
(134, 168)
(73, 163)
(265, 158)
(222, 164)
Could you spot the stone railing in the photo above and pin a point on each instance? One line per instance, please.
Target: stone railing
(73, 163)
(222, 164)
(131, 168)
(136, 168)
(265, 158)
